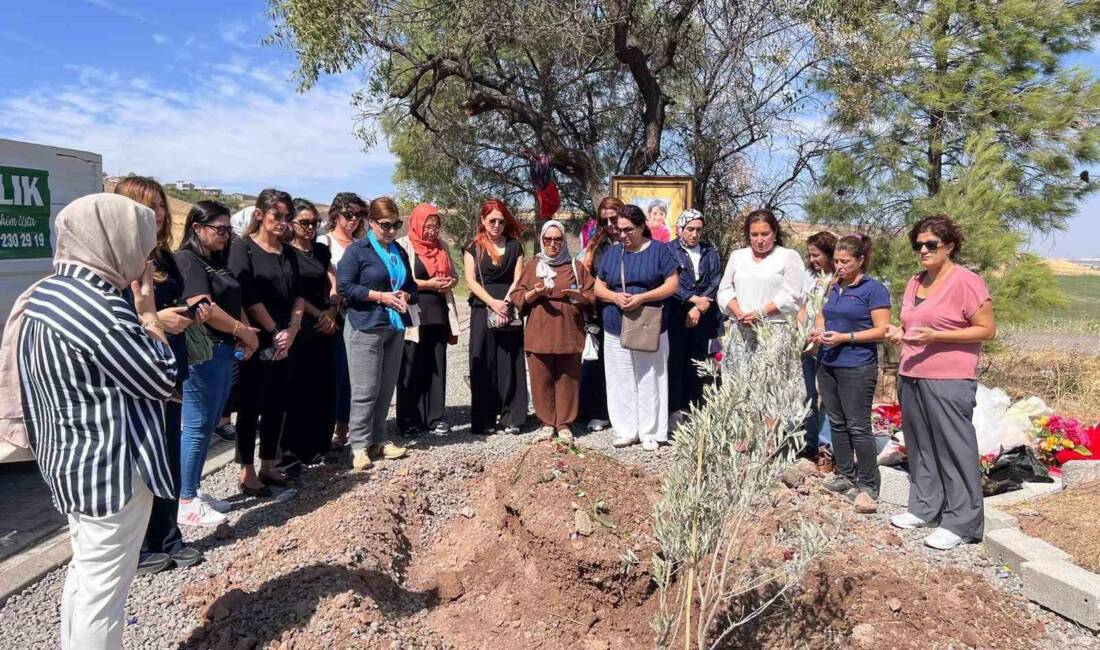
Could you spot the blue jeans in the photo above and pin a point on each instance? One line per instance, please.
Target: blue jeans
(205, 393)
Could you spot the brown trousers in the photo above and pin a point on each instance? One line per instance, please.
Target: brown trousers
(555, 387)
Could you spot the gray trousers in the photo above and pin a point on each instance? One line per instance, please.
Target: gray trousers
(847, 394)
(944, 474)
(374, 360)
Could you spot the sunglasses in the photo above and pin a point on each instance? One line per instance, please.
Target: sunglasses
(932, 246)
(221, 231)
(553, 240)
(305, 223)
(282, 216)
(496, 222)
(390, 226)
(354, 216)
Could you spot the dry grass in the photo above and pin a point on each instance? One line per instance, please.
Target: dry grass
(1068, 383)
(1067, 520)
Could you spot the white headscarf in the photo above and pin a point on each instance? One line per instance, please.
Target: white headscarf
(543, 269)
(107, 234)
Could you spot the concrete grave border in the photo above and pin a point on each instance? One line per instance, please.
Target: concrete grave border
(1050, 578)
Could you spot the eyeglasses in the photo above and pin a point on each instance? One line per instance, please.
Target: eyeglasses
(391, 226)
(221, 231)
(305, 223)
(932, 246)
(627, 231)
(553, 240)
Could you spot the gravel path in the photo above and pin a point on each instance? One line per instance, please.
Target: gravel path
(157, 616)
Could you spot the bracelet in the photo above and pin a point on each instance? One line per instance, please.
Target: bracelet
(236, 328)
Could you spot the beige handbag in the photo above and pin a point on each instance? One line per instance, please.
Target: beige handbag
(642, 326)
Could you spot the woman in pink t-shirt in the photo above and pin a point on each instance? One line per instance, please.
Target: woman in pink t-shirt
(946, 314)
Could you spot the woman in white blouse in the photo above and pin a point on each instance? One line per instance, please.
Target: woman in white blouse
(762, 282)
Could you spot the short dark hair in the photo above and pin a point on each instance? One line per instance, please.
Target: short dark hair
(201, 214)
(635, 215)
(823, 241)
(941, 226)
(301, 205)
(857, 246)
(762, 215)
(341, 205)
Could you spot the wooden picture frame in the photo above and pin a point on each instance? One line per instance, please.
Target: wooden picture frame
(672, 194)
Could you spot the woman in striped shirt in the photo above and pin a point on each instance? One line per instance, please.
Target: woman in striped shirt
(96, 371)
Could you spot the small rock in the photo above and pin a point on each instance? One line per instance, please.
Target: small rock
(892, 539)
(583, 523)
(449, 586)
(791, 477)
(806, 467)
(894, 604)
(863, 635)
(865, 505)
(591, 620)
(468, 512)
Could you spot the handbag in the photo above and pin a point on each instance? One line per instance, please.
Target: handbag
(591, 350)
(512, 320)
(642, 326)
(200, 348)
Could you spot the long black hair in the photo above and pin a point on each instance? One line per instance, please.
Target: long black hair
(202, 214)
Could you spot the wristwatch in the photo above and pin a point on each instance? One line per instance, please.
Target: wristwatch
(852, 338)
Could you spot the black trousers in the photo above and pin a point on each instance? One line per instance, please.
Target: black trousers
(162, 534)
(498, 377)
(847, 395)
(310, 401)
(262, 407)
(686, 345)
(422, 382)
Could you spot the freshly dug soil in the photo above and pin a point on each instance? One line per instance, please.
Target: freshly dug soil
(551, 549)
(1066, 519)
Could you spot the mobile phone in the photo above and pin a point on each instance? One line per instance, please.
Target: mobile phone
(193, 309)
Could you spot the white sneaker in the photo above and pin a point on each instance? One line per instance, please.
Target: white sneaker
(597, 425)
(624, 441)
(650, 445)
(907, 521)
(214, 502)
(198, 513)
(545, 433)
(565, 435)
(942, 539)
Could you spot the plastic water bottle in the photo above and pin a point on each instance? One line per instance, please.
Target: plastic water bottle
(267, 354)
(238, 354)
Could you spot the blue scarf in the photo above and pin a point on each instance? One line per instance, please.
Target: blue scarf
(394, 266)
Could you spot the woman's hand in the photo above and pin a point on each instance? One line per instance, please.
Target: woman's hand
(750, 318)
(394, 300)
(734, 310)
(621, 300)
(247, 337)
(920, 335)
(204, 312)
(832, 339)
(499, 307)
(894, 335)
(702, 303)
(174, 319)
(632, 302)
(692, 317)
(326, 323)
(815, 336)
(573, 294)
(145, 302)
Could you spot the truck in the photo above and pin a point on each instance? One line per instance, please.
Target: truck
(36, 181)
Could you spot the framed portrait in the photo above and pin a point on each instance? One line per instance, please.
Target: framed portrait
(661, 198)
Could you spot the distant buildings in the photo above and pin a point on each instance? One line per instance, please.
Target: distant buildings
(188, 186)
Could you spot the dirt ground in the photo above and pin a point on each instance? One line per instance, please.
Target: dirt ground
(1067, 520)
(551, 549)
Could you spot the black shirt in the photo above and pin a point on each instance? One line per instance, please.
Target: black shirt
(497, 279)
(268, 279)
(203, 278)
(433, 308)
(313, 280)
(169, 293)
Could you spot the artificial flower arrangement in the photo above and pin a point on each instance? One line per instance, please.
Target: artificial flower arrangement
(1059, 439)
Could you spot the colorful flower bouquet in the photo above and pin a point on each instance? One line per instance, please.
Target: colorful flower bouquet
(886, 420)
(1059, 439)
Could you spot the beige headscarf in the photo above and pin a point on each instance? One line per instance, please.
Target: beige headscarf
(108, 234)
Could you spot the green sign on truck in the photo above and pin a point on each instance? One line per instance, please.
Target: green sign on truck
(24, 213)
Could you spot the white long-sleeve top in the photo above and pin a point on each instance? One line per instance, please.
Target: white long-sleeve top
(777, 278)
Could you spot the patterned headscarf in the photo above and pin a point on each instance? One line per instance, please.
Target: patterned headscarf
(686, 217)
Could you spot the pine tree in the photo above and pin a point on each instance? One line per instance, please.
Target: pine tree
(968, 107)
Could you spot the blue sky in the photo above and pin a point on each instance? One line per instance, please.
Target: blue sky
(185, 91)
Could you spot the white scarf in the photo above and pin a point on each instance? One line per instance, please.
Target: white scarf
(544, 268)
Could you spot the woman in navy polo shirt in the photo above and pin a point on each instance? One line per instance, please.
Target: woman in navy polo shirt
(851, 323)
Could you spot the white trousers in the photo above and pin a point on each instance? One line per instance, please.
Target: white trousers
(637, 389)
(105, 558)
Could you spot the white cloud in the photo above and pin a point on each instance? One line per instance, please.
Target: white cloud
(120, 11)
(235, 34)
(231, 126)
(161, 39)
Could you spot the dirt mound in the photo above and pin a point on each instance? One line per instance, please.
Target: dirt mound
(553, 552)
(551, 549)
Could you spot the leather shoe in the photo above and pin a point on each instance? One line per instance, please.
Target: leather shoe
(258, 493)
(153, 563)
